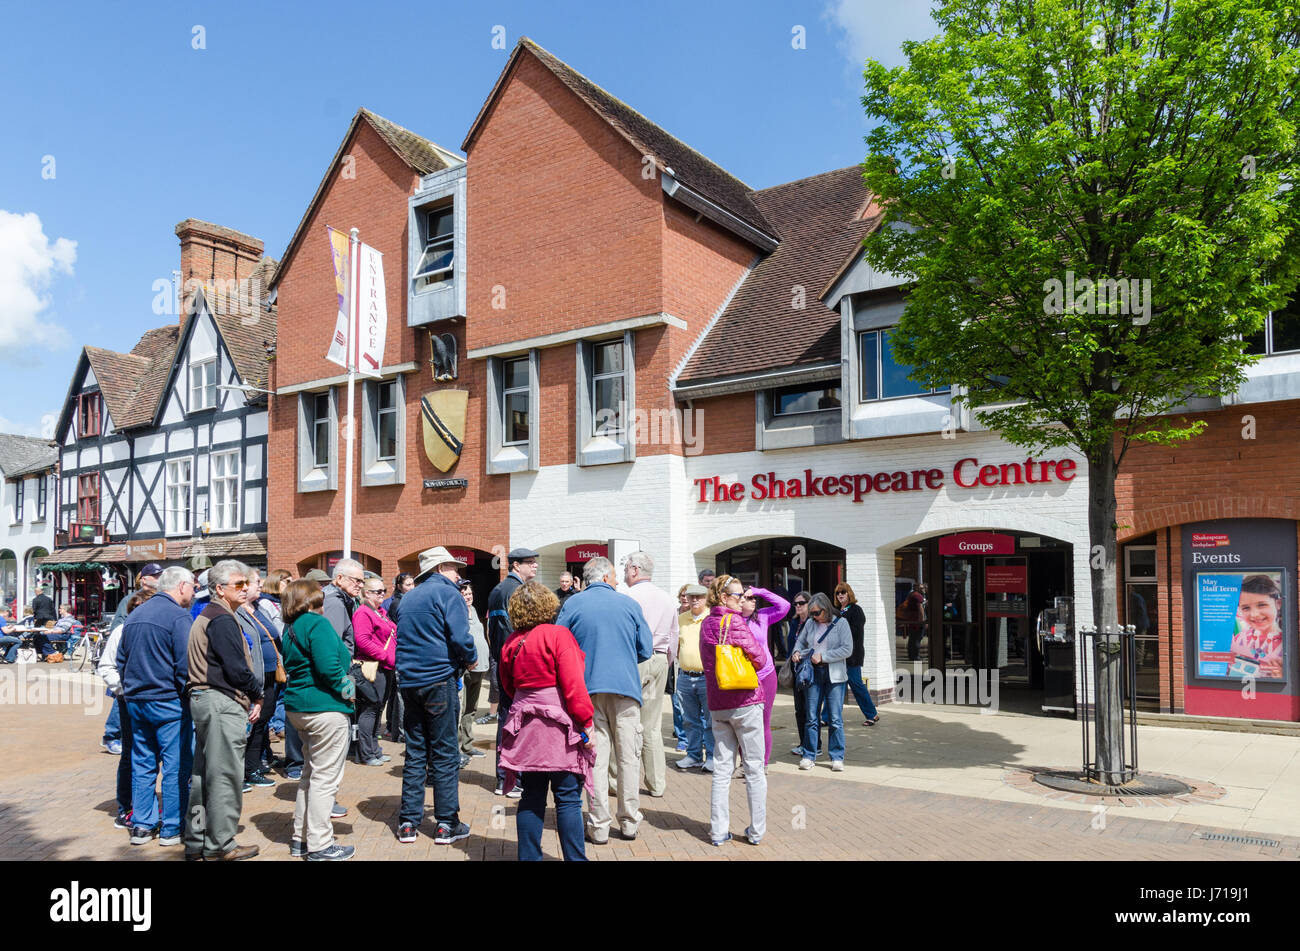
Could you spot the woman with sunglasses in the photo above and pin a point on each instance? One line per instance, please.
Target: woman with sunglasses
(376, 636)
(736, 715)
(759, 620)
(829, 642)
(797, 624)
(849, 609)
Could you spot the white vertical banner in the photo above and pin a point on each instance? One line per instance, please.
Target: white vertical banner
(372, 311)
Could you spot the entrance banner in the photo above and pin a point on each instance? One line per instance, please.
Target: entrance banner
(372, 310)
(585, 552)
(977, 543)
(338, 352)
(1238, 624)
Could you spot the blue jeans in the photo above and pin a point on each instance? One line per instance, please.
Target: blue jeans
(679, 717)
(113, 725)
(695, 713)
(277, 718)
(531, 815)
(9, 644)
(160, 731)
(820, 688)
(860, 693)
(430, 721)
(124, 778)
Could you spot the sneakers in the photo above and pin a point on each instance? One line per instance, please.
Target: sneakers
(447, 833)
(515, 793)
(474, 752)
(406, 832)
(591, 837)
(140, 835)
(708, 765)
(114, 747)
(681, 746)
(293, 774)
(721, 841)
(464, 760)
(123, 820)
(805, 763)
(688, 762)
(237, 854)
(796, 751)
(377, 761)
(259, 779)
(297, 849)
(335, 853)
(169, 839)
(486, 718)
(338, 812)
(753, 839)
(500, 790)
(837, 766)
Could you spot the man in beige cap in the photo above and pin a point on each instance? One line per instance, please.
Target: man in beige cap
(434, 645)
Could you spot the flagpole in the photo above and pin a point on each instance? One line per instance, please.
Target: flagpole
(353, 332)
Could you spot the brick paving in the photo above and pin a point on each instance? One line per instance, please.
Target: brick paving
(56, 802)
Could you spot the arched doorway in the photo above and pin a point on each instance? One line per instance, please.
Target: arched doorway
(326, 561)
(33, 567)
(786, 564)
(9, 581)
(483, 577)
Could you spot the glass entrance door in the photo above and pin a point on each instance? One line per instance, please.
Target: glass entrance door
(1006, 620)
(960, 612)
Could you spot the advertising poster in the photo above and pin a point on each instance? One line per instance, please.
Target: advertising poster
(1239, 624)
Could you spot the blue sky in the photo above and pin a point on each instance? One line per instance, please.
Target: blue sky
(117, 127)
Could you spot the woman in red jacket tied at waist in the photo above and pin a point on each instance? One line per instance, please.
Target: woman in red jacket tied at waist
(544, 741)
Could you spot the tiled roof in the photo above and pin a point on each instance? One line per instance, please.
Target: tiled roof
(422, 155)
(246, 328)
(249, 545)
(119, 376)
(821, 224)
(688, 166)
(24, 455)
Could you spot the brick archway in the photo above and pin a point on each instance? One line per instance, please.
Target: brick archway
(1208, 510)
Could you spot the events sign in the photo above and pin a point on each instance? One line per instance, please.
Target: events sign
(1239, 617)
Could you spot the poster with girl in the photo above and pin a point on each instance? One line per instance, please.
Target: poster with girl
(1239, 625)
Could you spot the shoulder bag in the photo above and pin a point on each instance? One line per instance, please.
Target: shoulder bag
(804, 671)
(731, 667)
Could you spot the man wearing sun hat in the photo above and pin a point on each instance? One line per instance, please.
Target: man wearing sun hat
(434, 645)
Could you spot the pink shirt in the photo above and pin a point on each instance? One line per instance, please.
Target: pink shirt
(660, 609)
(372, 630)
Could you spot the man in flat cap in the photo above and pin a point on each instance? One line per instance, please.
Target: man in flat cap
(523, 568)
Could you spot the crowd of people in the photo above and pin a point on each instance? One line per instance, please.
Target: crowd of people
(206, 671)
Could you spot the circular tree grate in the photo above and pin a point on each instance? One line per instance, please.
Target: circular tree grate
(1143, 784)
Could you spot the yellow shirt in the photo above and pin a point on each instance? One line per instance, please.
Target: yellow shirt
(688, 642)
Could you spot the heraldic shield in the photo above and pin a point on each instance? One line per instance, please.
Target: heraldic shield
(443, 413)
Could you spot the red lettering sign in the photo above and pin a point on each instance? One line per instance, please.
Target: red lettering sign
(1208, 540)
(1013, 579)
(464, 554)
(977, 543)
(585, 552)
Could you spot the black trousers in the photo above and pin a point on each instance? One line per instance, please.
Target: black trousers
(259, 738)
(368, 713)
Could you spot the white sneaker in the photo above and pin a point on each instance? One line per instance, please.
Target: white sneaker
(708, 765)
(805, 763)
(837, 766)
(687, 762)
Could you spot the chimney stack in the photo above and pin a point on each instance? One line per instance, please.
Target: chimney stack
(213, 254)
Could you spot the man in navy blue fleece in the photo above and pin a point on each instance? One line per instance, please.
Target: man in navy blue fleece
(153, 663)
(433, 646)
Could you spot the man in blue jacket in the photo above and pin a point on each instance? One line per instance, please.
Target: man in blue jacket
(433, 646)
(612, 631)
(152, 660)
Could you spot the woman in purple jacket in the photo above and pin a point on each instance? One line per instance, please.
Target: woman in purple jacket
(737, 714)
(759, 619)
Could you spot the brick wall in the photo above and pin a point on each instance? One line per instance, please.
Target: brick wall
(726, 424)
(390, 523)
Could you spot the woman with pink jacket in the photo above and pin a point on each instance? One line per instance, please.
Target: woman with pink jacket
(759, 620)
(376, 641)
(737, 715)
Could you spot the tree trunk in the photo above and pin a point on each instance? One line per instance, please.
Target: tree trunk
(1107, 683)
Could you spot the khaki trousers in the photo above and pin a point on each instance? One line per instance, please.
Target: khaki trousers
(325, 739)
(618, 751)
(654, 677)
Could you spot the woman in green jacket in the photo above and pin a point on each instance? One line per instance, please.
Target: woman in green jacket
(318, 699)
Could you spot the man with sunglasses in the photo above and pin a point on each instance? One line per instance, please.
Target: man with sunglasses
(224, 697)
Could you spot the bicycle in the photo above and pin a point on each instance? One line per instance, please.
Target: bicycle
(88, 650)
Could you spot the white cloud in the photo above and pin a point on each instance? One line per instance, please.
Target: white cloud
(28, 264)
(876, 29)
(44, 429)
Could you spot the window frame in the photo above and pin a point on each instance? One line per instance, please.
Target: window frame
(89, 415)
(427, 280)
(172, 512)
(595, 448)
(42, 497)
(311, 476)
(83, 498)
(1130, 576)
(233, 505)
(501, 457)
(1292, 308)
(379, 470)
(507, 392)
(200, 392)
(20, 499)
(596, 378)
(807, 388)
(879, 333)
(317, 421)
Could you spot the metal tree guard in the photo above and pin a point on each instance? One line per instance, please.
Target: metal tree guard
(1109, 722)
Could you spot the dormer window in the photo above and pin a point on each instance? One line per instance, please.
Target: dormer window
(1280, 333)
(436, 263)
(88, 415)
(203, 385)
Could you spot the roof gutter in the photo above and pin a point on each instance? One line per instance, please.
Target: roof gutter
(757, 381)
(715, 212)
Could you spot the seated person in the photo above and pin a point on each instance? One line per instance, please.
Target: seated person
(9, 639)
(67, 627)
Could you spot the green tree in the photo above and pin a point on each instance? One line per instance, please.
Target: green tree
(1037, 153)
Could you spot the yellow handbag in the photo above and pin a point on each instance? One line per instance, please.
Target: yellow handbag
(731, 666)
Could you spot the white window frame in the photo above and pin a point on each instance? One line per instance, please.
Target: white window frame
(1269, 350)
(20, 499)
(879, 333)
(1130, 576)
(509, 391)
(518, 456)
(203, 390)
(374, 469)
(173, 513)
(232, 506)
(42, 497)
(611, 431)
(439, 295)
(603, 448)
(313, 477)
(435, 245)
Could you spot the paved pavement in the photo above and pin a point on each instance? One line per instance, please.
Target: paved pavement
(926, 783)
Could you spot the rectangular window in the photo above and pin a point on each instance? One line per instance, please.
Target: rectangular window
(20, 498)
(203, 385)
(880, 376)
(88, 498)
(439, 247)
(42, 497)
(1280, 333)
(88, 415)
(320, 430)
(386, 421)
(608, 389)
(805, 398)
(514, 404)
(180, 485)
(223, 491)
